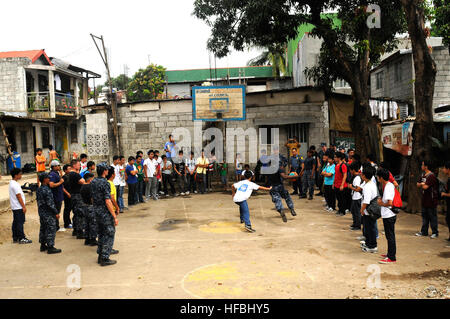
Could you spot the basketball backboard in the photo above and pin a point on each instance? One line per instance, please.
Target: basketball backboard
(218, 103)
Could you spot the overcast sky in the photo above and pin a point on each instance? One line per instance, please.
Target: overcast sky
(135, 31)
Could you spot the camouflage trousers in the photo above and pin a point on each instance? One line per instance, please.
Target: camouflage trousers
(47, 231)
(91, 222)
(79, 219)
(106, 231)
(278, 192)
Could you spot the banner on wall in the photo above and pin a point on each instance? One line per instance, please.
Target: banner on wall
(398, 137)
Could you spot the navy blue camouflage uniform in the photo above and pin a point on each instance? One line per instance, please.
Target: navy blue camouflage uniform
(278, 192)
(47, 216)
(79, 220)
(101, 191)
(88, 210)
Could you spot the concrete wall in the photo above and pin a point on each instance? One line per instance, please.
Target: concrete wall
(13, 84)
(158, 119)
(397, 90)
(442, 85)
(27, 155)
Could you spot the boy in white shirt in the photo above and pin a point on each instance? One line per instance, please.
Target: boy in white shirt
(17, 201)
(356, 189)
(370, 192)
(389, 217)
(241, 191)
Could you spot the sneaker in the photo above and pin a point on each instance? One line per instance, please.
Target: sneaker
(25, 241)
(340, 214)
(362, 243)
(182, 194)
(347, 211)
(419, 234)
(327, 208)
(53, 250)
(361, 238)
(370, 250)
(249, 229)
(386, 261)
(195, 192)
(62, 229)
(331, 210)
(384, 256)
(283, 216)
(433, 236)
(187, 193)
(70, 226)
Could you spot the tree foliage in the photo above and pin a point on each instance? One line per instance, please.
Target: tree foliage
(274, 56)
(120, 82)
(441, 23)
(147, 84)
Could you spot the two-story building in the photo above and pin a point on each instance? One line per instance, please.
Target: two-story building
(40, 104)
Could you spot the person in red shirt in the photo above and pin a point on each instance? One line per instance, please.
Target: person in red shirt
(429, 185)
(340, 184)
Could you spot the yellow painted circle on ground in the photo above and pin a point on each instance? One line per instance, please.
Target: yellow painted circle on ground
(222, 227)
(235, 280)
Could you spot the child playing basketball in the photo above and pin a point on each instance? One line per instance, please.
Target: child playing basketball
(242, 191)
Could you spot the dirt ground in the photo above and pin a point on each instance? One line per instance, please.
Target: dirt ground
(195, 247)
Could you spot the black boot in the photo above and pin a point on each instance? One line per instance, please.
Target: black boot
(114, 252)
(53, 250)
(107, 262)
(283, 216)
(86, 242)
(74, 233)
(93, 242)
(293, 212)
(43, 247)
(99, 259)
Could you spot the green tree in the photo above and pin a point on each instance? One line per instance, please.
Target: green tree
(147, 84)
(274, 56)
(441, 23)
(120, 83)
(348, 52)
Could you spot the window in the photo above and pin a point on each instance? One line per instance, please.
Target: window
(73, 134)
(300, 131)
(265, 135)
(398, 71)
(45, 132)
(379, 79)
(23, 142)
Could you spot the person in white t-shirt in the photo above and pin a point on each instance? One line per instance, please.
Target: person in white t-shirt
(241, 191)
(17, 201)
(369, 193)
(356, 189)
(388, 216)
(150, 165)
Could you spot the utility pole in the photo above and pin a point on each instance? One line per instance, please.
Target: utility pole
(112, 97)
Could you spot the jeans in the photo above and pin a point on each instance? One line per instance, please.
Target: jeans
(132, 191)
(17, 224)
(140, 189)
(192, 185)
(389, 230)
(58, 208)
(167, 178)
(67, 209)
(369, 231)
(330, 196)
(120, 190)
(308, 183)
(182, 183)
(356, 212)
(429, 218)
(202, 182)
(150, 190)
(244, 212)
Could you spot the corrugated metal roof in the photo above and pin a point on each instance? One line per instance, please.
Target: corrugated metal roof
(33, 55)
(200, 75)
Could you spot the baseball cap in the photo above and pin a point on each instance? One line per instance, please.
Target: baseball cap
(55, 163)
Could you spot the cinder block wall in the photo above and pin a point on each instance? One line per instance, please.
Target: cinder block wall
(12, 84)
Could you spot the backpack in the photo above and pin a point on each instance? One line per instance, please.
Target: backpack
(349, 178)
(31, 188)
(397, 203)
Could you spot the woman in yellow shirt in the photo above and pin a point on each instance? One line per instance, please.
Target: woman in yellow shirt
(110, 179)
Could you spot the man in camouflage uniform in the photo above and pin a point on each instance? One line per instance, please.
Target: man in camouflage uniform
(89, 214)
(278, 191)
(48, 215)
(75, 182)
(105, 215)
